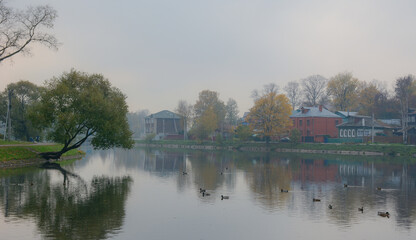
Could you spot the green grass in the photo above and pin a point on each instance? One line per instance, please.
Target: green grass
(13, 153)
(24, 152)
(3, 142)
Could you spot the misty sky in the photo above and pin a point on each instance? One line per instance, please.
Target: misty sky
(160, 51)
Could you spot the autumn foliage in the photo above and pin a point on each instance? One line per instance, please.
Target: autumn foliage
(270, 115)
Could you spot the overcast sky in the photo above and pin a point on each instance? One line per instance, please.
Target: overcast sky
(160, 51)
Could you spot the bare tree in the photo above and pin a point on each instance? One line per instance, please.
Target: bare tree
(267, 88)
(19, 29)
(314, 89)
(185, 110)
(403, 90)
(293, 92)
(137, 122)
(231, 112)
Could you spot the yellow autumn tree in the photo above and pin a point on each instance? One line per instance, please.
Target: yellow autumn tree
(368, 98)
(343, 89)
(206, 124)
(270, 115)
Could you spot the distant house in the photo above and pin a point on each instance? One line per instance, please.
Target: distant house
(411, 128)
(315, 123)
(362, 126)
(165, 124)
(344, 115)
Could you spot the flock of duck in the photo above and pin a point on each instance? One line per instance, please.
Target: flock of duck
(361, 209)
(204, 191)
(205, 194)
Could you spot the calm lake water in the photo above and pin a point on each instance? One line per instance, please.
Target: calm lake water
(143, 194)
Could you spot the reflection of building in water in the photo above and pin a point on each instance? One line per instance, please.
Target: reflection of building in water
(316, 171)
(356, 170)
(164, 162)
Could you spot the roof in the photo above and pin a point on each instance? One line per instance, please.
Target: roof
(345, 114)
(164, 114)
(314, 112)
(367, 123)
(396, 122)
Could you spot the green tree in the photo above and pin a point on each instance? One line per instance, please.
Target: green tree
(18, 29)
(3, 106)
(76, 106)
(243, 132)
(24, 94)
(343, 89)
(270, 115)
(295, 136)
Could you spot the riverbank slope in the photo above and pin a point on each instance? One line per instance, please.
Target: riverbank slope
(317, 148)
(23, 154)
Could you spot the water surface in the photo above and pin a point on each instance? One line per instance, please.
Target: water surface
(154, 194)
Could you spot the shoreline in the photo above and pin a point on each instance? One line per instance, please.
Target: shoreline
(269, 149)
(31, 162)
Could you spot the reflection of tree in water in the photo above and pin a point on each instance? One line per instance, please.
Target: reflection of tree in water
(69, 212)
(207, 168)
(269, 176)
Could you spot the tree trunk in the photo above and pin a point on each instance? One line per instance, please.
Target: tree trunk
(52, 155)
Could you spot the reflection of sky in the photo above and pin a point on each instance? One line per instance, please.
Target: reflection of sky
(165, 204)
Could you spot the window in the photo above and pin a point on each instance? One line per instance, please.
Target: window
(345, 132)
(353, 133)
(308, 122)
(340, 133)
(359, 133)
(300, 123)
(349, 133)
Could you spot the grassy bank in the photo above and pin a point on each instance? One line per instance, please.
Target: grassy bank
(5, 142)
(29, 151)
(386, 149)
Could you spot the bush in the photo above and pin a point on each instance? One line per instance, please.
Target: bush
(149, 137)
(219, 139)
(243, 132)
(295, 136)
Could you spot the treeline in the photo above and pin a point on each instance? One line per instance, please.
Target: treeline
(269, 116)
(15, 100)
(211, 116)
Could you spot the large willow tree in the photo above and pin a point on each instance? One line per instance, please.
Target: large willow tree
(76, 106)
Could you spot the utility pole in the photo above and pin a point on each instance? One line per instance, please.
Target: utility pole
(372, 129)
(8, 126)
